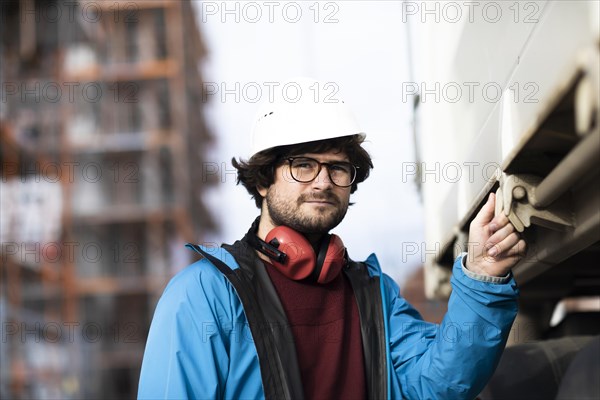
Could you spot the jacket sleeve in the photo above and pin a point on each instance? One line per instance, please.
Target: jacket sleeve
(186, 355)
(455, 359)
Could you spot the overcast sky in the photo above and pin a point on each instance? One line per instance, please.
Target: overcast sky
(358, 45)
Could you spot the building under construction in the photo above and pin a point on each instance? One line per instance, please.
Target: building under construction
(102, 143)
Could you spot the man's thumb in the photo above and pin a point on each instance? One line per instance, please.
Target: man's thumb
(486, 214)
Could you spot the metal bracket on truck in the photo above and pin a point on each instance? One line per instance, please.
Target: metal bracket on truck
(516, 198)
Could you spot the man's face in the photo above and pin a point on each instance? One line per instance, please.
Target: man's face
(314, 207)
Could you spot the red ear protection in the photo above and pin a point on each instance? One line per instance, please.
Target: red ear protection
(300, 260)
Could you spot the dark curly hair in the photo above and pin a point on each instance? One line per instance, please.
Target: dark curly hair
(259, 170)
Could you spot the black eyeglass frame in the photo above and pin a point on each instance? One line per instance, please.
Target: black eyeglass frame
(353, 170)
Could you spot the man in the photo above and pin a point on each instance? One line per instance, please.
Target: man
(284, 313)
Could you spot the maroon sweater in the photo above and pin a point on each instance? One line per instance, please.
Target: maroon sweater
(325, 325)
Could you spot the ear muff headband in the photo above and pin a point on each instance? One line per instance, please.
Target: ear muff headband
(335, 259)
(320, 261)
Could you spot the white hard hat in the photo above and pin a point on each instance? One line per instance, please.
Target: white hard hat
(302, 110)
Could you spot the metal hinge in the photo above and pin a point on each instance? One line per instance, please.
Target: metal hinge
(515, 198)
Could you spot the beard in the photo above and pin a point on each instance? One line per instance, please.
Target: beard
(291, 213)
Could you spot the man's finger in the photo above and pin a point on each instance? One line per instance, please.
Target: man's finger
(505, 244)
(486, 213)
(518, 249)
(500, 234)
(498, 222)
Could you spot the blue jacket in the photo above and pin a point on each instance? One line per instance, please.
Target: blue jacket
(218, 333)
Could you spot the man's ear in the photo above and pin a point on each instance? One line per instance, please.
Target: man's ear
(262, 191)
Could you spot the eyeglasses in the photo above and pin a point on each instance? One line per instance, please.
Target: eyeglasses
(306, 169)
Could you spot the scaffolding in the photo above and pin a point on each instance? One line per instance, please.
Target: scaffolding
(102, 137)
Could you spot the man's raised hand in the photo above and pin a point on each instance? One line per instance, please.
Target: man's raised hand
(494, 244)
